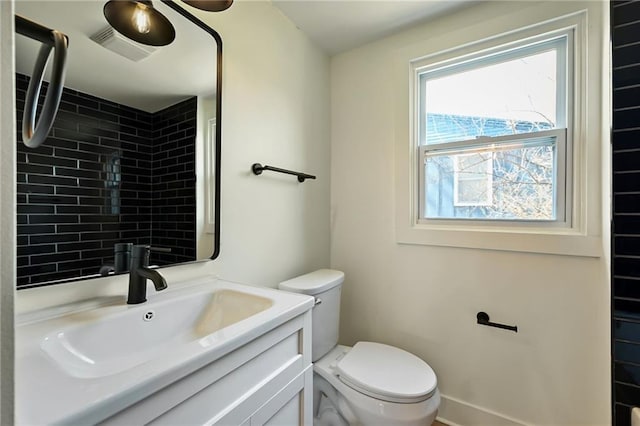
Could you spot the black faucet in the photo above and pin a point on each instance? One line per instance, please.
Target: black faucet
(139, 272)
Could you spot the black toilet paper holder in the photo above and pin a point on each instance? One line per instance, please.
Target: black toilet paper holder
(483, 319)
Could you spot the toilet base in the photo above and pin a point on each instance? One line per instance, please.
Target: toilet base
(327, 414)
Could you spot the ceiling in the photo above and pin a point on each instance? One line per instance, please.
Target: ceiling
(340, 25)
(334, 25)
(147, 85)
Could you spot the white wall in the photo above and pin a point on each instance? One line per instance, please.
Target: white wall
(275, 111)
(556, 369)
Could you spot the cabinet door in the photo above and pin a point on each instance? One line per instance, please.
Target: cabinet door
(291, 406)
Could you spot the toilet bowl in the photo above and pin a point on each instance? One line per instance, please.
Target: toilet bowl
(369, 383)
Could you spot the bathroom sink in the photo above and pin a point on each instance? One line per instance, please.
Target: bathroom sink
(107, 344)
(82, 362)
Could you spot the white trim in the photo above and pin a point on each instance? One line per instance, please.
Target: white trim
(455, 412)
(583, 237)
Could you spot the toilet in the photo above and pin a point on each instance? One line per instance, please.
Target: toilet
(369, 383)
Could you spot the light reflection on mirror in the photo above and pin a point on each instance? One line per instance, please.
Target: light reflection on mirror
(130, 155)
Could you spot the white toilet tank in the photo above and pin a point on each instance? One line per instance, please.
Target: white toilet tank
(325, 285)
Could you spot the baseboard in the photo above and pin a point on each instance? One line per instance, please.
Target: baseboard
(454, 412)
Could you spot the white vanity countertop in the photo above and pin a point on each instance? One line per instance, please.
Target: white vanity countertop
(48, 393)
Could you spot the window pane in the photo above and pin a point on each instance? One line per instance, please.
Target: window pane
(508, 97)
(472, 179)
(509, 183)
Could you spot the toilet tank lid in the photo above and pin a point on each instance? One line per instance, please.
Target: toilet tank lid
(314, 282)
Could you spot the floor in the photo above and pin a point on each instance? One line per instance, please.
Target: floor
(437, 423)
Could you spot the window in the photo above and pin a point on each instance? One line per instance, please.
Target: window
(493, 140)
(501, 132)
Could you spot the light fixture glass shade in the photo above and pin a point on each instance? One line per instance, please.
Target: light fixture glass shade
(210, 5)
(139, 21)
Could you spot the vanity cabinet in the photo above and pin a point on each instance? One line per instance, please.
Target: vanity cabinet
(267, 381)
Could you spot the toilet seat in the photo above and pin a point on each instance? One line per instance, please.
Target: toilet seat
(386, 373)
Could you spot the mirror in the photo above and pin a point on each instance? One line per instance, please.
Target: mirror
(134, 153)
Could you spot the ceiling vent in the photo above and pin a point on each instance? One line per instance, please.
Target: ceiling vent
(123, 46)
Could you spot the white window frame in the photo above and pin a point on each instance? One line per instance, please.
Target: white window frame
(562, 42)
(581, 233)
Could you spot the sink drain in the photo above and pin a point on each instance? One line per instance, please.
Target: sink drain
(148, 316)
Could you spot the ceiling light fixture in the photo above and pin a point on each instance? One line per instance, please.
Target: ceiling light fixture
(210, 5)
(139, 21)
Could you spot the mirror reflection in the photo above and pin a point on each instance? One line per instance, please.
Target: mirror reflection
(130, 157)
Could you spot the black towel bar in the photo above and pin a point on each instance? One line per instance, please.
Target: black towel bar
(258, 168)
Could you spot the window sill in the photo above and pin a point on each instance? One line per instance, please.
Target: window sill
(561, 242)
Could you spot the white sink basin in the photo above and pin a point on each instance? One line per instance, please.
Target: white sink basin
(120, 341)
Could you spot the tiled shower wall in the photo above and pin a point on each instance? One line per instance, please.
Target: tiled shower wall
(91, 185)
(174, 183)
(625, 24)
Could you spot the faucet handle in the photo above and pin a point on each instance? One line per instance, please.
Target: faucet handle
(161, 249)
(143, 250)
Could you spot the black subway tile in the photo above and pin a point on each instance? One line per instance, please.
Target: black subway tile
(52, 199)
(78, 228)
(626, 203)
(627, 76)
(92, 236)
(36, 269)
(34, 189)
(35, 209)
(75, 136)
(626, 13)
(78, 210)
(626, 309)
(86, 192)
(80, 101)
(51, 258)
(50, 161)
(627, 330)
(95, 132)
(626, 288)
(626, 119)
(62, 143)
(53, 238)
(36, 229)
(628, 97)
(52, 219)
(626, 182)
(626, 55)
(52, 180)
(622, 415)
(627, 394)
(78, 246)
(35, 249)
(89, 174)
(34, 169)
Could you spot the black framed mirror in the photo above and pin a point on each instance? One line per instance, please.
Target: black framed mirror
(133, 156)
